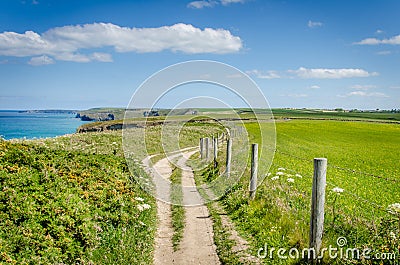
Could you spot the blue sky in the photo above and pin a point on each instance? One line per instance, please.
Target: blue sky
(315, 54)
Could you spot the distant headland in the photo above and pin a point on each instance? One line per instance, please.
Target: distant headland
(50, 111)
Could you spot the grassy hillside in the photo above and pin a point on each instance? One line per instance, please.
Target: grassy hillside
(71, 207)
(246, 115)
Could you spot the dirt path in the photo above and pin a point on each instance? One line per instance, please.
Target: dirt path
(197, 245)
(163, 243)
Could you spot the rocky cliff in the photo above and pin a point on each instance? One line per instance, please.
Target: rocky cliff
(100, 116)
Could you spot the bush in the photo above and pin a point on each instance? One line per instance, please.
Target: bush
(69, 207)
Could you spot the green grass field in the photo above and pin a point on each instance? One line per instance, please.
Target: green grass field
(362, 158)
(279, 216)
(220, 113)
(320, 114)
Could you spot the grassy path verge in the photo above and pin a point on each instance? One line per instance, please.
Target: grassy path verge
(178, 212)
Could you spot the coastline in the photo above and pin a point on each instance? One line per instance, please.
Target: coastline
(31, 125)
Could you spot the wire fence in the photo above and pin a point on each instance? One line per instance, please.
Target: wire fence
(355, 171)
(359, 210)
(355, 196)
(363, 173)
(330, 182)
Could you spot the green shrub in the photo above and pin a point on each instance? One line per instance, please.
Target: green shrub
(70, 207)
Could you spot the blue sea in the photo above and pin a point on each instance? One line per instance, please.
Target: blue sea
(15, 124)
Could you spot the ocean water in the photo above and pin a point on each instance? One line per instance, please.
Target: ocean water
(14, 124)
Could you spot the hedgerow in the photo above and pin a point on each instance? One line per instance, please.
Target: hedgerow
(71, 207)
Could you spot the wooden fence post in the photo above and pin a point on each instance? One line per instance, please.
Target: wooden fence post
(254, 168)
(228, 157)
(202, 148)
(207, 147)
(317, 204)
(215, 152)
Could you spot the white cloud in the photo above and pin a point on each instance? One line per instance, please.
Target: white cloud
(227, 2)
(67, 43)
(201, 4)
(101, 57)
(211, 3)
(379, 31)
(315, 87)
(72, 57)
(264, 75)
(41, 60)
(324, 73)
(364, 94)
(82, 58)
(368, 41)
(357, 93)
(313, 73)
(362, 87)
(314, 24)
(374, 41)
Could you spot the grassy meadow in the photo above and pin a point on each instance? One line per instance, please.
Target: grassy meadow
(362, 160)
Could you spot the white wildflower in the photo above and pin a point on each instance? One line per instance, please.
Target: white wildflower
(280, 173)
(139, 199)
(299, 176)
(146, 206)
(290, 180)
(392, 235)
(337, 190)
(281, 169)
(275, 178)
(143, 207)
(394, 209)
